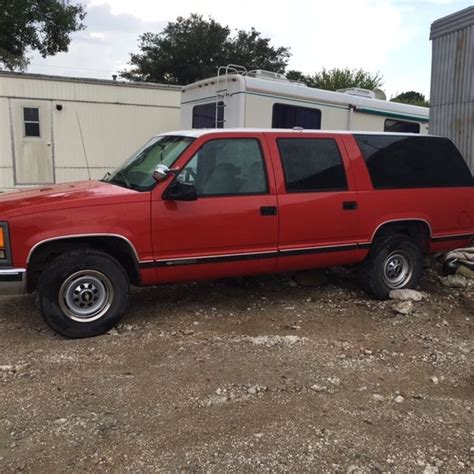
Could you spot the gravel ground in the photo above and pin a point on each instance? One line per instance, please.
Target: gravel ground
(254, 375)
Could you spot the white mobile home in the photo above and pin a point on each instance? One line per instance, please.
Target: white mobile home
(237, 99)
(53, 128)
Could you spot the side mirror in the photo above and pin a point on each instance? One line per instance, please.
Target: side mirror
(162, 172)
(180, 192)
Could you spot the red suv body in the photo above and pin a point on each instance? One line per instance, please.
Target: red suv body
(210, 204)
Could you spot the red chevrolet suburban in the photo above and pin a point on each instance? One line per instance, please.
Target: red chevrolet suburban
(207, 204)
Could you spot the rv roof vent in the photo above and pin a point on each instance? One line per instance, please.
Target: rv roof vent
(262, 74)
(358, 92)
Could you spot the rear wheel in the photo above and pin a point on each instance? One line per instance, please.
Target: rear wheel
(394, 262)
(83, 293)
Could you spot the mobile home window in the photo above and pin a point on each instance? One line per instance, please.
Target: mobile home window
(289, 116)
(400, 126)
(312, 164)
(204, 115)
(31, 120)
(413, 162)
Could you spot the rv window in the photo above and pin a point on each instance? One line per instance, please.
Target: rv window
(31, 120)
(227, 167)
(413, 162)
(204, 116)
(289, 116)
(312, 164)
(401, 126)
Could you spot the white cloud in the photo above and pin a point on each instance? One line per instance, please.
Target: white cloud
(102, 49)
(97, 35)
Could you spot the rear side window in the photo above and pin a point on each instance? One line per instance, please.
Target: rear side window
(289, 116)
(413, 162)
(312, 164)
(400, 126)
(204, 115)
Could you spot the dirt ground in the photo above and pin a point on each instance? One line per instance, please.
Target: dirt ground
(255, 375)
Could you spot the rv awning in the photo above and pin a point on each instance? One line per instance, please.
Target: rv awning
(384, 113)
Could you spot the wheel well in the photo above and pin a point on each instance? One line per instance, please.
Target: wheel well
(116, 247)
(419, 231)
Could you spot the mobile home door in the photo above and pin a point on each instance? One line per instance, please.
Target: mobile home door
(32, 141)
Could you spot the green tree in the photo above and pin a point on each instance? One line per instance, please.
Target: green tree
(411, 97)
(36, 25)
(293, 75)
(193, 48)
(249, 49)
(334, 79)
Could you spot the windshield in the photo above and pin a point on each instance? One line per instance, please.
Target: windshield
(137, 172)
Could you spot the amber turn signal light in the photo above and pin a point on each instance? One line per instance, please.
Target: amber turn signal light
(2, 238)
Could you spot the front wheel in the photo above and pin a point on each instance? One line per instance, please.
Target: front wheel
(394, 262)
(83, 293)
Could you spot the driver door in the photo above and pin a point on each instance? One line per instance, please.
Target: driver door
(232, 227)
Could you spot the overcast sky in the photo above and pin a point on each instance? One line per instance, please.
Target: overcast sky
(389, 36)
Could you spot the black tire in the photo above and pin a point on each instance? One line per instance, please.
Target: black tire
(389, 254)
(83, 293)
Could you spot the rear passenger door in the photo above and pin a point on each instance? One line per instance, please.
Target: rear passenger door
(317, 200)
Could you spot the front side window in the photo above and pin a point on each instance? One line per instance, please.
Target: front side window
(204, 115)
(400, 126)
(227, 167)
(290, 116)
(137, 172)
(31, 121)
(312, 164)
(413, 162)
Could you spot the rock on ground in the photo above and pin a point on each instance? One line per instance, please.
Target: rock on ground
(404, 307)
(406, 295)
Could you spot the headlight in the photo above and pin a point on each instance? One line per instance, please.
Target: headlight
(5, 255)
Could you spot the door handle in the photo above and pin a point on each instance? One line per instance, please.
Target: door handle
(349, 205)
(268, 211)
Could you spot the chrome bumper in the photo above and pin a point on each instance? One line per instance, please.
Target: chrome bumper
(12, 281)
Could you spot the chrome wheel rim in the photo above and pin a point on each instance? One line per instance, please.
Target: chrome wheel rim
(397, 269)
(86, 296)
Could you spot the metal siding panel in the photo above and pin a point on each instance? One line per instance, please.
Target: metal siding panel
(452, 81)
(111, 134)
(42, 88)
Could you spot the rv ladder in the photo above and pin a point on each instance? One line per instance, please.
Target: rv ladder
(222, 94)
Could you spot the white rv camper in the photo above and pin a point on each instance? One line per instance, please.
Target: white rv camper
(236, 98)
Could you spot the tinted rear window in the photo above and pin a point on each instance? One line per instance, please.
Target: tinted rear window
(413, 162)
(312, 164)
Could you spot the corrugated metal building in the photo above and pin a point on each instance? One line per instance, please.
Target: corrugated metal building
(452, 80)
(42, 119)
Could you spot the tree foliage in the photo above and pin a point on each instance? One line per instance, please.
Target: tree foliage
(41, 25)
(249, 49)
(411, 97)
(192, 48)
(334, 79)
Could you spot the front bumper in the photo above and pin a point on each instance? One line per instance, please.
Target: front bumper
(12, 281)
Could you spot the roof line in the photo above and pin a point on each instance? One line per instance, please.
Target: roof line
(88, 80)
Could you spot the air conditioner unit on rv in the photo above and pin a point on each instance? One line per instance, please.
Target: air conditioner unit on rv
(262, 74)
(358, 91)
